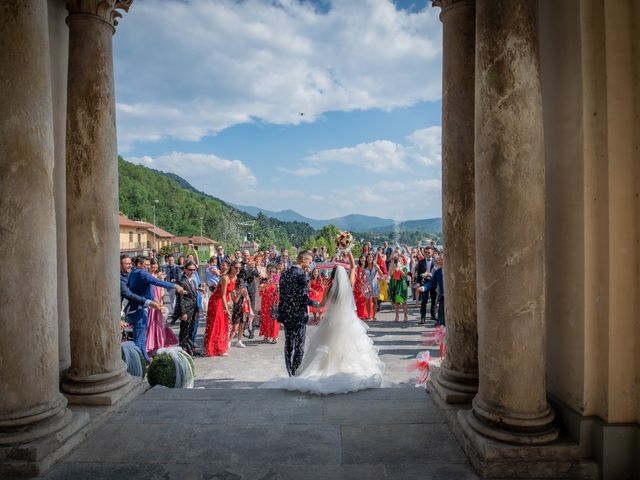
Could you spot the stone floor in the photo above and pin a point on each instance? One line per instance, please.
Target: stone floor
(227, 429)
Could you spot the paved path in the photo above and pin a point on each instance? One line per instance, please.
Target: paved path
(225, 429)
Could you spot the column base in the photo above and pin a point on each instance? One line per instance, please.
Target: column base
(493, 458)
(454, 388)
(35, 457)
(101, 389)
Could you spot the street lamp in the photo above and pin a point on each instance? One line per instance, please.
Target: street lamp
(155, 202)
(201, 238)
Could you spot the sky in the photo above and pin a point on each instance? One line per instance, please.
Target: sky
(326, 107)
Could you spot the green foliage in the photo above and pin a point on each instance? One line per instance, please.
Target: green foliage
(162, 371)
(180, 208)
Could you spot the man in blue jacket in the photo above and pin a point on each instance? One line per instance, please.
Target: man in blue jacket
(141, 284)
(437, 280)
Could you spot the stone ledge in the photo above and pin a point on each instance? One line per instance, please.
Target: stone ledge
(490, 458)
(35, 458)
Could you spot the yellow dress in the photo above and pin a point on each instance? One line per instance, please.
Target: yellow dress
(384, 291)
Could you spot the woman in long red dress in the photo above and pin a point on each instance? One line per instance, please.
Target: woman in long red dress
(216, 336)
(269, 326)
(358, 294)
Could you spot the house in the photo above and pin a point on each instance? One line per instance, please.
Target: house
(205, 247)
(134, 235)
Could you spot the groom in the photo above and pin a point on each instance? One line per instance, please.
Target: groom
(293, 312)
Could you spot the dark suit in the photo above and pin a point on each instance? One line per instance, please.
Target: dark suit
(141, 283)
(294, 315)
(187, 304)
(437, 281)
(426, 266)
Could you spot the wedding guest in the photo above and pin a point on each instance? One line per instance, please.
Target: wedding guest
(173, 274)
(187, 308)
(247, 275)
(199, 293)
(437, 281)
(140, 283)
(216, 336)
(269, 326)
(424, 271)
(212, 274)
(398, 286)
(316, 292)
(159, 335)
(372, 274)
(220, 257)
(358, 287)
(237, 314)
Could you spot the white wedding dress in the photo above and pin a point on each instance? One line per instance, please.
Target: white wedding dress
(339, 355)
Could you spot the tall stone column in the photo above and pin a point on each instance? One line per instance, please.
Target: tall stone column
(511, 405)
(34, 418)
(97, 374)
(59, 51)
(457, 380)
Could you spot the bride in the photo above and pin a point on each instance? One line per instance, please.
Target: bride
(340, 357)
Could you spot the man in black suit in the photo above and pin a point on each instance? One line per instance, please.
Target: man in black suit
(423, 272)
(220, 257)
(187, 307)
(293, 312)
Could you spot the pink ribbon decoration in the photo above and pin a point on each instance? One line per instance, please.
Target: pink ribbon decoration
(422, 365)
(437, 337)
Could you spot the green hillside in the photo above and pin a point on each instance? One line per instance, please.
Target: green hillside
(180, 207)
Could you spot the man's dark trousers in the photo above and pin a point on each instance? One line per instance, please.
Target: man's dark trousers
(433, 294)
(294, 336)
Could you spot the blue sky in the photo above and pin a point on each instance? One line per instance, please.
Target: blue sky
(328, 107)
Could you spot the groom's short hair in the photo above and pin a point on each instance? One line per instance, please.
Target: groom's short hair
(304, 253)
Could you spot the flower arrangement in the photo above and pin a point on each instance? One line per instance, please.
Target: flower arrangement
(171, 367)
(437, 337)
(344, 242)
(423, 365)
(134, 358)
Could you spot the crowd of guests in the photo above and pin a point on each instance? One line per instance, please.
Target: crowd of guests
(241, 290)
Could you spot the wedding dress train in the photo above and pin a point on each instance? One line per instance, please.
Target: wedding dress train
(340, 356)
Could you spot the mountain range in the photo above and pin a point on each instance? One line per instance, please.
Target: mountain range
(352, 222)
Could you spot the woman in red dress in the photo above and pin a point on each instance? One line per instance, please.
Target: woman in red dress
(316, 292)
(216, 336)
(358, 294)
(269, 326)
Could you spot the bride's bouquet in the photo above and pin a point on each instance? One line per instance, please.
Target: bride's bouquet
(344, 242)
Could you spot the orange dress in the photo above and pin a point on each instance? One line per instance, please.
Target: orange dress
(269, 327)
(216, 335)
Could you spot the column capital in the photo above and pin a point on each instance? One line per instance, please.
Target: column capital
(106, 10)
(448, 5)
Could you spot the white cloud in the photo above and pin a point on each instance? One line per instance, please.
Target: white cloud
(188, 69)
(426, 145)
(385, 156)
(211, 174)
(380, 156)
(302, 171)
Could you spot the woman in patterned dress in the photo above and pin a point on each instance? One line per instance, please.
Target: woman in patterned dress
(398, 285)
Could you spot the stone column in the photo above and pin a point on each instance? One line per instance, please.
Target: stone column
(32, 409)
(59, 50)
(97, 374)
(511, 405)
(457, 380)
